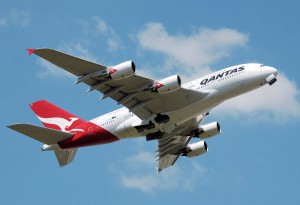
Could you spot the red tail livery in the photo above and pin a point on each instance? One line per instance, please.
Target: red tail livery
(56, 118)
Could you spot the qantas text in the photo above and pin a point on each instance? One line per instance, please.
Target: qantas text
(221, 75)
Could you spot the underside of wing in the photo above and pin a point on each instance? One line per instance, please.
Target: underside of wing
(172, 146)
(146, 103)
(170, 149)
(74, 65)
(121, 84)
(167, 161)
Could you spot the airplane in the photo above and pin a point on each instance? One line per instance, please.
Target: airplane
(164, 110)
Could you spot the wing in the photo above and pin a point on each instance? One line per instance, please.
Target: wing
(129, 91)
(170, 146)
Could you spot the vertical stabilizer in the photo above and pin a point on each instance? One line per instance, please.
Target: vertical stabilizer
(56, 118)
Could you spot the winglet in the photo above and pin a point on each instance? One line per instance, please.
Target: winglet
(31, 50)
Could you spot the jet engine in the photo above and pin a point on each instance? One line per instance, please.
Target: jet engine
(122, 70)
(210, 130)
(195, 149)
(207, 131)
(168, 84)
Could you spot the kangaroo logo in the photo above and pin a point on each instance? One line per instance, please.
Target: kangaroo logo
(62, 123)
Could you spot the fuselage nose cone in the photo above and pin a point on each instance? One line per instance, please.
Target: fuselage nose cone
(273, 70)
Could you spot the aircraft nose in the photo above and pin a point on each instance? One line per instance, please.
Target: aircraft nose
(273, 70)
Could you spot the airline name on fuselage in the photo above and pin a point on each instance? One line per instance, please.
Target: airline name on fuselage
(221, 75)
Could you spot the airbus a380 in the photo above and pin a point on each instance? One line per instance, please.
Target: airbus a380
(162, 110)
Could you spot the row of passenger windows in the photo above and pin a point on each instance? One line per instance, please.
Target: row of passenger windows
(106, 123)
(114, 117)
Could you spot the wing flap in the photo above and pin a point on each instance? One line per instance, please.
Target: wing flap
(42, 134)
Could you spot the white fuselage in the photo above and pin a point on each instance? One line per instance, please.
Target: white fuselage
(221, 85)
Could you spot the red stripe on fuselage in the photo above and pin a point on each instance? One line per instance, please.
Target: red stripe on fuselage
(92, 135)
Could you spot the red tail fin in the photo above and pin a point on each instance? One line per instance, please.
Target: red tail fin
(55, 117)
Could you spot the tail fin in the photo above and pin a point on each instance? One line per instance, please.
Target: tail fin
(56, 118)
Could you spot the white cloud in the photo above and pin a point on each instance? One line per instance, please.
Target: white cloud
(113, 44)
(144, 183)
(101, 25)
(20, 18)
(193, 52)
(17, 18)
(138, 172)
(98, 27)
(142, 158)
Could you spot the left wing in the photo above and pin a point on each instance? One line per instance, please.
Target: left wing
(132, 92)
(172, 146)
(169, 150)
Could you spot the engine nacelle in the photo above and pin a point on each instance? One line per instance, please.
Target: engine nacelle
(122, 70)
(168, 84)
(195, 149)
(209, 130)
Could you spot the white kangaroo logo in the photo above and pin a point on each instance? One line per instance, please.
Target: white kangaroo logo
(62, 123)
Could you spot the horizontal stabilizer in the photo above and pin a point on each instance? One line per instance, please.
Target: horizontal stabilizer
(65, 156)
(44, 135)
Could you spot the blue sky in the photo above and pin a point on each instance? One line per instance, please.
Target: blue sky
(253, 161)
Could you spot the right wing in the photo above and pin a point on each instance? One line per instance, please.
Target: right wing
(72, 64)
(130, 92)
